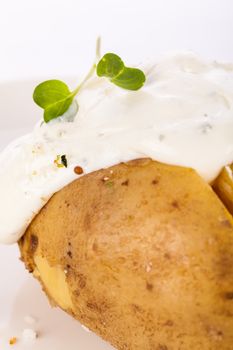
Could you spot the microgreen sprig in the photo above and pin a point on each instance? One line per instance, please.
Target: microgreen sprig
(55, 97)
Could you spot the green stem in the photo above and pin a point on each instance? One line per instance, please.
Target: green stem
(98, 49)
(92, 70)
(88, 76)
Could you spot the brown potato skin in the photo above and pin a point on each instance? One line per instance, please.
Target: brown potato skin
(147, 252)
(223, 186)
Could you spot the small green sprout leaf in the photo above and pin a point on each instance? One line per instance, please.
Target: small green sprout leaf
(112, 67)
(54, 97)
(49, 92)
(57, 109)
(130, 79)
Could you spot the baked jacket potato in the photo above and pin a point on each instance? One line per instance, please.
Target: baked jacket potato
(142, 254)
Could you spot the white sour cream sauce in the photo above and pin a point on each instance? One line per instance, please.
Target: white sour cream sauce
(182, 116)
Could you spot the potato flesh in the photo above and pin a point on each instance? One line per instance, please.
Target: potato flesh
(149, 252)
(54, 280)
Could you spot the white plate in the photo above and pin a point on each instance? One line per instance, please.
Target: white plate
(20, 294)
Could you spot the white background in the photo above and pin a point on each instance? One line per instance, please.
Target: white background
(57, 37)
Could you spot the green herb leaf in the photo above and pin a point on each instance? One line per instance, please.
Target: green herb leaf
(130, 79)
(54, 96)
(57, 109)
(49, 92)
(112, 67)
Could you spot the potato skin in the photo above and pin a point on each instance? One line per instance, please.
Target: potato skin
(223, 186)
(146, 252)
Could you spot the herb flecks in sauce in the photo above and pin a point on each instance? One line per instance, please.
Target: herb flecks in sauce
(61, 161)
